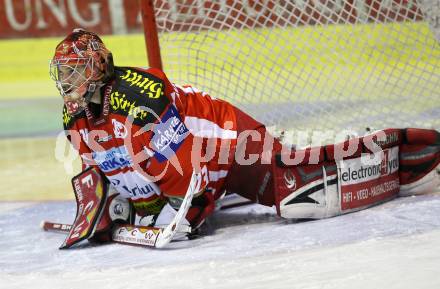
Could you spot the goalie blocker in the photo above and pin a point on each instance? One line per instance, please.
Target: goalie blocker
(104, 216)
(331, 180)
(97, 209)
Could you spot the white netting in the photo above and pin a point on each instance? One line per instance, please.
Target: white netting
(310, 64)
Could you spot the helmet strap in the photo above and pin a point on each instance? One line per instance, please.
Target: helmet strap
(98, 117)
(91, 89)
(110, 68)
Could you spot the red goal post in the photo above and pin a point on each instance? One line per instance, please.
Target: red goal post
(305, 64)
(150, 32)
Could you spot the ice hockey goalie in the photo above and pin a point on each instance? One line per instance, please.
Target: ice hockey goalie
(144, 136)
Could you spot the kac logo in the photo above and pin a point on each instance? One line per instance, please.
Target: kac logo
(119, 129)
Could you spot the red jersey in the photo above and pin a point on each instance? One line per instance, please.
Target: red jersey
(151, 134)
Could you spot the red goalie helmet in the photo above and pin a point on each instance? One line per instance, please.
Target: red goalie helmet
(81, 65)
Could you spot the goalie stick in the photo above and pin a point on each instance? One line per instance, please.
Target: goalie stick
(156, 237)
(121, 233)
(165, 235)
(55, 227)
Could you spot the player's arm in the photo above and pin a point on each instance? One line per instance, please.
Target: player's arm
(201, 207)
(175, 176)
(99, 206)
(159, 210)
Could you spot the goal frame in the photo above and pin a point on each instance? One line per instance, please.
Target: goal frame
(377, 84)
(151, 35)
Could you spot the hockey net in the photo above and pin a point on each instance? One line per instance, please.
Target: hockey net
(309, 64)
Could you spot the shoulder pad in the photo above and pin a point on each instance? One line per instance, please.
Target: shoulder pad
(145, 84)
(138, 94)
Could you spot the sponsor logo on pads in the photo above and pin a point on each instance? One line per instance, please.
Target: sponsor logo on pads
(355, 171)
(365, 182)
(290, 180)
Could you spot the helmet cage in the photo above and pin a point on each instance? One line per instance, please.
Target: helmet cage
(73, 74)
(80, 66)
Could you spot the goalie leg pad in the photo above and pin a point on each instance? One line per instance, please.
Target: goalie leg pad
(419, 162)
(307, 192)
(340, 182)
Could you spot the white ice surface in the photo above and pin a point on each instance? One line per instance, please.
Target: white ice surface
(395, 245)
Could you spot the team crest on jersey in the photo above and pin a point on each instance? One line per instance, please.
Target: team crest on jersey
(169, 134)
(119, 129)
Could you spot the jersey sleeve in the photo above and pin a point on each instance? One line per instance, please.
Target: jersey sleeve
(204, 137)
(170, 143)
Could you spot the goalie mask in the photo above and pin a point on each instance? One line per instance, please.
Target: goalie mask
(81, 65)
